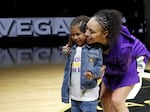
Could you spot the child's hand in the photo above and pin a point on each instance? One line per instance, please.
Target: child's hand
(88, 75)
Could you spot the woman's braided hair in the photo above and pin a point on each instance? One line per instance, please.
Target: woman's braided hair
(110, 20)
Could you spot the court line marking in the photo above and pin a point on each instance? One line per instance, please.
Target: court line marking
(146, 75)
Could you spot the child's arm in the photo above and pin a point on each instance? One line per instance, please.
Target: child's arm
(90, 76)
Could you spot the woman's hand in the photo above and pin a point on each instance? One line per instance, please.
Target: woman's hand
(103, 68)
(66, 49)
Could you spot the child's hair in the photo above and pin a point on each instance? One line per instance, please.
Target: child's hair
(81, 22)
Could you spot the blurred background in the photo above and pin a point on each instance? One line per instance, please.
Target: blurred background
(135, 12)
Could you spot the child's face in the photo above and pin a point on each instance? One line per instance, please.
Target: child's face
(77, 36)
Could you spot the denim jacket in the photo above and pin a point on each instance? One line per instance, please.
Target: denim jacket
(91, 60)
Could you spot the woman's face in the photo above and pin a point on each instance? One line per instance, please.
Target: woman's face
(95, 33)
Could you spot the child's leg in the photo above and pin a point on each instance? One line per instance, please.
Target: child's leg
(89, 106)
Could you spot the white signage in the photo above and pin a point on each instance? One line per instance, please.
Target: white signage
(35, 27)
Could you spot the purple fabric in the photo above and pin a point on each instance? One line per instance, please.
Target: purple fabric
(121, 61)
(140, 49)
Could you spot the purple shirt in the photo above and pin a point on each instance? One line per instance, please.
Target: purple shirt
(121, 67)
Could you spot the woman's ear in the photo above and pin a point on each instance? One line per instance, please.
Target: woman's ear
(105, 34)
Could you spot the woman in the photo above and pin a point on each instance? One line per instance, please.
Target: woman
(105, 28)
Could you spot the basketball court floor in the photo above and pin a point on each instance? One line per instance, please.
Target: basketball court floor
(36, 88)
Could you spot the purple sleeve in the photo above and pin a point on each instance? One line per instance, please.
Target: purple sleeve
(122, 63)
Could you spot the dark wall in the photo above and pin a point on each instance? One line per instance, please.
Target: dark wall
(131, 9)
(62, 7)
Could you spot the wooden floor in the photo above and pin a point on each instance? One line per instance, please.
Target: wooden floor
(32, 89)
